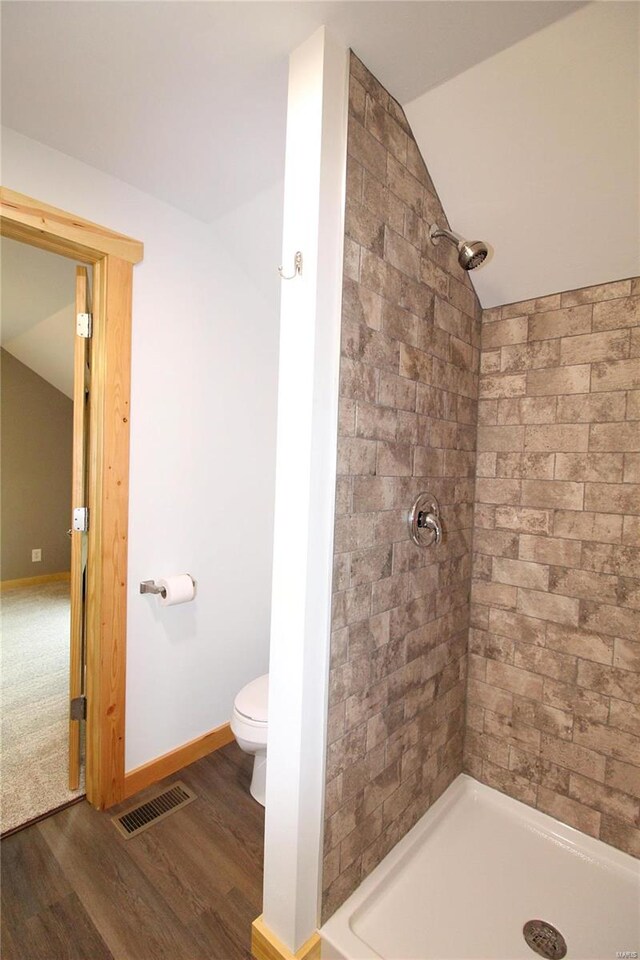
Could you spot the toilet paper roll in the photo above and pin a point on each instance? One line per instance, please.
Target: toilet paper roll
(179, 589)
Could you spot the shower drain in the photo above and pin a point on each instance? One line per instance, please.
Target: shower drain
(544, 939)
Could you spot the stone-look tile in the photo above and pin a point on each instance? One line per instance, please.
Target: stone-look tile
(603, 291)
(394, 460)
(615, 682)
(526, 307)
(386, 128)
(490, 362)
(615, 375)
(563, 662)
(550, 550)
(595, 346)
(560, 323)
(548, 607)
(536, 770)
(570, 811)
(358, 382)
(520, 573)
(517, 626)
(506, 385)
(354, 532)
(529, 356)
(587, 525)
(351, 606)
(356, 456)
(560, 381)
(523, 519)
(620, 834)
(607, 740)
(631, 530)
(536, 718)
(363, 227)
(553, 688)
(366, 150)
(498, 491)
(625, 716)
(579, 643)
(573, 757)
(631, 469)
(504, 332)
(591, 408)
(557, 437)
(500, 438)
(613, 314)
(396, 392)
(404, 185)
(633, 405)
(496, 543)
(401, 254)
(561, 494)
(618, 560)
(615, 436)
(524, 466)
(514, 679)
(612, 497)
(370, 565)
(351, 259)
(407, 420)
(546, 663)
(576, 700)
(584, 583)
(535, 410)
(377, 198)
(626, 654)
(574, 466)
(623, 777)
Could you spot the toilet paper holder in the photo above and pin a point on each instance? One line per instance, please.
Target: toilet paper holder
(150, 586)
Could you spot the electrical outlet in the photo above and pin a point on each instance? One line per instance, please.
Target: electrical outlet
(36, 555)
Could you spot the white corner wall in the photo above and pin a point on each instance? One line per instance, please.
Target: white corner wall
(314, 192)
(537, 151)
(204, 372)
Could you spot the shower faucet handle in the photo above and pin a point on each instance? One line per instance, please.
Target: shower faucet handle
(425, 528)
(430, 521)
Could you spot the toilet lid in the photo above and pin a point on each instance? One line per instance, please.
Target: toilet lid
(253, 700)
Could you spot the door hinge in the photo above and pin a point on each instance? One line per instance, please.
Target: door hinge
(78, 708)
(80, 522)
(84, 324)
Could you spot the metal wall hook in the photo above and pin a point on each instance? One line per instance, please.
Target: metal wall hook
(297, 267)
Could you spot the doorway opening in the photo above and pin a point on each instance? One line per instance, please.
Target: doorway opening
(43, 562)
(100, 482)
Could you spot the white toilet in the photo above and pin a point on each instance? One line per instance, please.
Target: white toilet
(249, 727)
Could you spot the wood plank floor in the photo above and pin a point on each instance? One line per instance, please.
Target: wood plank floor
(186, 889)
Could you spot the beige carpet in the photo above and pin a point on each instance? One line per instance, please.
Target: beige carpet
(35, 702)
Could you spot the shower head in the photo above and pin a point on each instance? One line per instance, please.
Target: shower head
(471, 253)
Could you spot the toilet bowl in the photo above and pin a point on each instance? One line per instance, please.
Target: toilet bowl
(249, 727)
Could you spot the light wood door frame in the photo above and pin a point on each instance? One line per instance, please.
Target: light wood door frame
(79, 539)
(112, 256)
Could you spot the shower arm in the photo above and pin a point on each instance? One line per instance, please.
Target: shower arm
(436, 232)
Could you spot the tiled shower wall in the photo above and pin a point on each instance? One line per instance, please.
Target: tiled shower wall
(553, 710)
(408, 412)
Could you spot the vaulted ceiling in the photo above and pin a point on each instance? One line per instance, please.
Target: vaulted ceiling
(187, 101)
(37, 305)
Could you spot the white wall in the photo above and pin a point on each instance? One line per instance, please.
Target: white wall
(47, 346)
(537, 151)
(314, 190)
(204, 371)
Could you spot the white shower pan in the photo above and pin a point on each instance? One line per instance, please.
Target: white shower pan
(478, 866)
